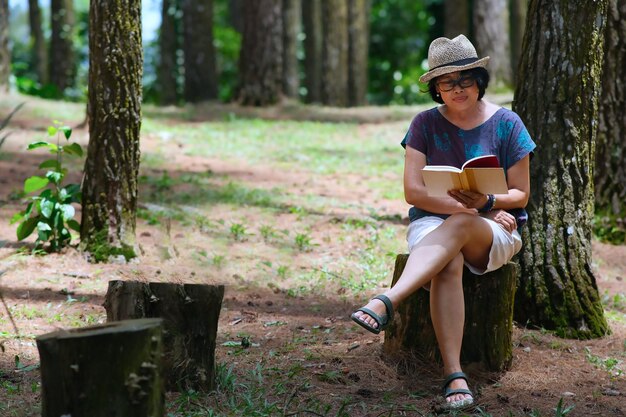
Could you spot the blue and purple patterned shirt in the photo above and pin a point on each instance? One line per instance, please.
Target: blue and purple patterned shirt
(443, 143)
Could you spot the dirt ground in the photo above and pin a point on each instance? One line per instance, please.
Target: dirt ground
(311, 337)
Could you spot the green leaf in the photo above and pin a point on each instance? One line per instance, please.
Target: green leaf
(68, 211)
(54, 176)
(52, 130)
(67, 131)
(43, 227)
(50, 163)
(17, 217)
(40, 144)
(46, 207)
(73, 149)
(35, 183)
(26, 228)
(74, 225)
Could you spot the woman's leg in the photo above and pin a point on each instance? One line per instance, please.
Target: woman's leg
(447, 311)
(460, 233)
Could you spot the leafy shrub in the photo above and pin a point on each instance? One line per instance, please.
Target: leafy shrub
(51, 212)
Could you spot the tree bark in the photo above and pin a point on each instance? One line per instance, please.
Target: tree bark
(112, 370)
(109, 189)
(491, 33)
(168, 70)
(62, 57)
(488, 331)
(199, 51)
(291, 29)
(312, 22)
(358, 51)
(335, 53)
(190, 315)
(610, 174)
(38, 42)
(557, 97)
(5, 54)
(235, 13)
(456, 18)
(518, 24)
(261, 56)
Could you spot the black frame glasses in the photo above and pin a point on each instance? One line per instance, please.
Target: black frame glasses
(463, 82)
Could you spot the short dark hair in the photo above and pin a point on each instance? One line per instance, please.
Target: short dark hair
(480, 74)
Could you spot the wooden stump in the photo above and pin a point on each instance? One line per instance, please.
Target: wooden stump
(190, 313)
(112, 370)
(488, 332)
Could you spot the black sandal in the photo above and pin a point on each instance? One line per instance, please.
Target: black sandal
(447, 392)
(382, 321)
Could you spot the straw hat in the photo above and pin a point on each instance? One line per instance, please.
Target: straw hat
(451, 55)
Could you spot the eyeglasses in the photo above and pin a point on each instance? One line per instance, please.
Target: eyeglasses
(463, 82)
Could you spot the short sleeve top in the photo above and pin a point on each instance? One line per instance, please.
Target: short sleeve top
(444, 143)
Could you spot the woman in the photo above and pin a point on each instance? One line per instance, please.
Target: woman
(465, 227)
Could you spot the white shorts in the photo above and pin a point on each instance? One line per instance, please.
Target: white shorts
(505, 245)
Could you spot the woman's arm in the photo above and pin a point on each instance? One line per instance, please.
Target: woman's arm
(518, 179)
(415, 191)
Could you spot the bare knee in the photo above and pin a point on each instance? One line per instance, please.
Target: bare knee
(452, 271)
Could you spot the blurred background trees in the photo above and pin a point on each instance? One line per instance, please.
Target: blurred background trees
(358, 52)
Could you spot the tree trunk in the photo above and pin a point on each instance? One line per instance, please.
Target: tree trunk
(291, 29)
(190, 315)
(38, 42)
(235, 13)
(5, 54)
(112, 370)
(610, 174)
(488, 331)
(335, 53)
(518, 24)
(557, 97)
(358, 51)
(491, 33)
(312, 22)
(168, 70)
(112, 165)
(260, 61)
(62, 57)
(199, 51)
(456, 18)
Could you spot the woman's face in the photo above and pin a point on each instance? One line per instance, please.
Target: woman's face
(459, 92)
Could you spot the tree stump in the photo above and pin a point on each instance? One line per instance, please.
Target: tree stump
(190, 313)
(488, 332)
(111, 370)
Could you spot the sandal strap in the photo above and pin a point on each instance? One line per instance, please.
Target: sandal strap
(450, 392)
(388, 304)
(380, 320)
(452, 377)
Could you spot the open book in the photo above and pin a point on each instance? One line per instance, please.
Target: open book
(482, 174)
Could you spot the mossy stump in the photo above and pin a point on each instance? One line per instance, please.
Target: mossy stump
(190, 314)
(488, 331)
(111, 370)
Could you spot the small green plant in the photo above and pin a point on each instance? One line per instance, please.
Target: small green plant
(51, 212)
(267, 232)
(238, 231)
(303, 242)
(282, 271)
(560, 411)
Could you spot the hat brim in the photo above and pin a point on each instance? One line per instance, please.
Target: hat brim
(452, 68)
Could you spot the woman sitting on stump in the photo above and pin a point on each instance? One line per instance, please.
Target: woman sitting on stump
(465, 227)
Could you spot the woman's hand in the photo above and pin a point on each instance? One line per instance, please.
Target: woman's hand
(504, 219)
(469, 199)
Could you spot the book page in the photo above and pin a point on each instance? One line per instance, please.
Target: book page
(439, 182)
(486, 180)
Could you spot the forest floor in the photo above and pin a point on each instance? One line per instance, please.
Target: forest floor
(299, 212)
